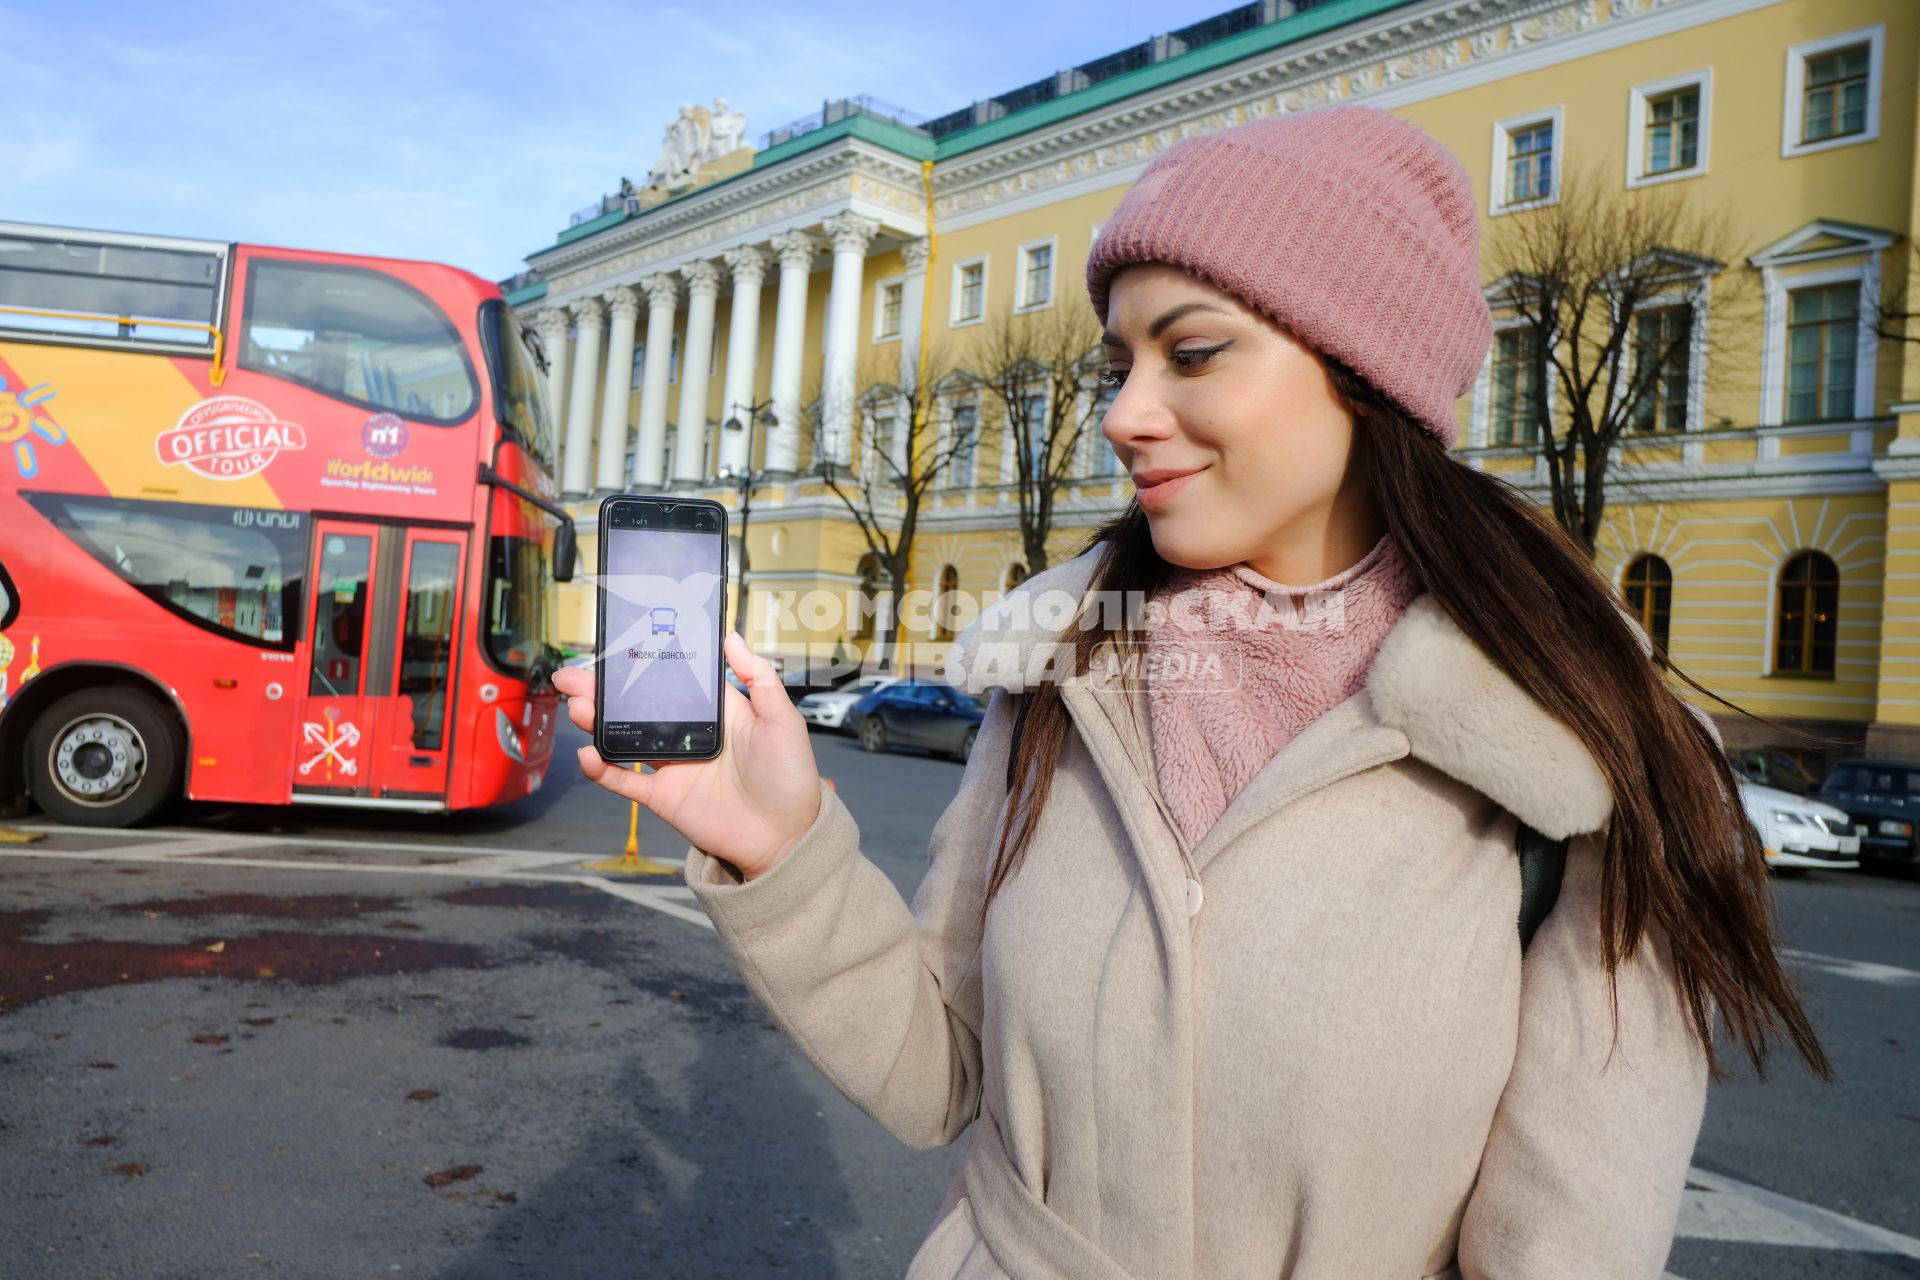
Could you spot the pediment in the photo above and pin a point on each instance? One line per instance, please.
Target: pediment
(1824, 238)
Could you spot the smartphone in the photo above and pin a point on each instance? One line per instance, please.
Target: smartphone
(662, 614)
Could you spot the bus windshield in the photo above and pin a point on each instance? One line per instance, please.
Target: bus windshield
(520, 387)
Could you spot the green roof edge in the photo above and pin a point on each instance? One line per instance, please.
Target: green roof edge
(1180, 67)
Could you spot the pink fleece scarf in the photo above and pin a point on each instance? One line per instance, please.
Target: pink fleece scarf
(1237, 664)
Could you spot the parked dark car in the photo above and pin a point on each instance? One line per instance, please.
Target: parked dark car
(1883, 799)
(918, 713)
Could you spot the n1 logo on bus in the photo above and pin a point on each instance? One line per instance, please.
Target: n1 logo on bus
(228, 438)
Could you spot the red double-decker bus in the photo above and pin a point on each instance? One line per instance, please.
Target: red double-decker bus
(275, 527)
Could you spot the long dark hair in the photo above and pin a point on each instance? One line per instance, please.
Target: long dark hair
(1680, 852)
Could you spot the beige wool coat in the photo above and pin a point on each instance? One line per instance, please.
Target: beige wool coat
(1305, 1047)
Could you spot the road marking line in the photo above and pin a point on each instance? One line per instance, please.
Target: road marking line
(1864, 970)
(1739, 1212)
(185, 835)
(203, 845)
(664, 899)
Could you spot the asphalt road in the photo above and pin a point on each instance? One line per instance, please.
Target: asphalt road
(263, 1042)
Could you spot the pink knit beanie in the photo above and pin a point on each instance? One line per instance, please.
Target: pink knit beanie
(1352, 228)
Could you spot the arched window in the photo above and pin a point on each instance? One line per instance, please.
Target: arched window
(1016, 574)
(1649, 590)
(946, 603)
(1806, 616)
(865, 624)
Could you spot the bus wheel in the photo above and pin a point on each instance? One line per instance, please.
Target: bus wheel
(103, 758)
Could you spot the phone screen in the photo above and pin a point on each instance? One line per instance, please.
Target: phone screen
(663, 579)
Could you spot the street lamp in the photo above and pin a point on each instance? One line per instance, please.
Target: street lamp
(748, 480)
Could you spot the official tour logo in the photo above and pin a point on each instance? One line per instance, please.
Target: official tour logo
(384, 435)
(227, 438)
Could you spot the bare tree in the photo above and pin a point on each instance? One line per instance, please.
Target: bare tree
(901, 453)
(1894, 317)
(1035, 366)
(1580, 278)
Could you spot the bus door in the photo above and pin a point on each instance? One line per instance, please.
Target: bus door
(330, 755)
(377, 716)
(413, 730)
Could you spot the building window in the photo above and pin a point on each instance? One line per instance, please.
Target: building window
(1530, 163)
(946, 603)
(963, 443)
(1833, 91)
(1033, 410)
(1673, 131)
(1015, 575)
(1518, 370)
(969, 291)
(1667, 128)
(1662, 359)
(1823, 331)
(639, 365)
(886, 323)
(1527, 154)
(1649, 592)
(879, 466)
(1835, 97)
(1805, 619)
(1036, 276)
(673, 359)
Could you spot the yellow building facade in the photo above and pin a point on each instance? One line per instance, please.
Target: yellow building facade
(1764, 523)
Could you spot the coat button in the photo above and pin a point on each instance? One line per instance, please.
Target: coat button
(1194, 896)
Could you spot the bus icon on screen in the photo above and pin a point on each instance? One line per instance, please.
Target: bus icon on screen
(664, 620)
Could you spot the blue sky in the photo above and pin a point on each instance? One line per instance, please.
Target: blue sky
(462, 133)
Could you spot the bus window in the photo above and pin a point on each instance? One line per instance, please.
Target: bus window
(233, 570)
(340, 615)
(113, 277)
(426, 641)
(358, 336)
(520, 388)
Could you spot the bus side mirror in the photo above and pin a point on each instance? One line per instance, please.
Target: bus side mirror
(565, 552)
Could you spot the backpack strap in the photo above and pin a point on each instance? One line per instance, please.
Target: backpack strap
(1543, 863)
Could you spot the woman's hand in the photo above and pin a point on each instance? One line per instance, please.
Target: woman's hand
(750, 804)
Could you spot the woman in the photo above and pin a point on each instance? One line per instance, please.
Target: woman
(1232, 987)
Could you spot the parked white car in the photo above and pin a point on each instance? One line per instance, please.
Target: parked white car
(829, 710)
(1801, 833)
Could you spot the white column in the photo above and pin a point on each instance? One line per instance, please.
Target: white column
(663, 295)
(552, 325)
(696, 353)
(577, 475)
(748, 267)
(796, 250)
(851, 236)
(624, 305)
(913, 292)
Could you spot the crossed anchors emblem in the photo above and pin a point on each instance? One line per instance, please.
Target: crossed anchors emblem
(333, 739)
